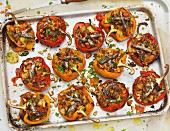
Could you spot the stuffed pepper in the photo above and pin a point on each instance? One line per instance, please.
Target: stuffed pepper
(68, 63)
(143, 49)
(149, 87)
(34, 107)
(110, 63)
(35, 74)
(75, 103)
(20, 35)
(51, 30)
(118, 23)
(112, 95)
(88, 37)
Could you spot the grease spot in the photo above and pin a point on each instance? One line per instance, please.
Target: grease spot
(97, 125)
(111, 129)
(71, 128)
(137, 121)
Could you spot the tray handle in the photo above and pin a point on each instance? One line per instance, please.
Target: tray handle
(1, 41)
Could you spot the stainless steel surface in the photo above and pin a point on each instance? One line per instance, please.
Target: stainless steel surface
(71, 18)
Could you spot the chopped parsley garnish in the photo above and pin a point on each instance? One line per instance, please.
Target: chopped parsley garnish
(109, 19)
(38, 12)
(104, 6)
(50, 3)
(163, 88)
(111, 45)
(20, 84)
(58, 86)
(69, 84)
(107, 114)
(32, 118)
(57, 114)
(54, 87)
(90, 64)
(129, 113)
(7, 2)
(48, 31)
(9, 33)
(30, 101)
(61, 69)
(24, 53)
(48, 121)
(66, 24)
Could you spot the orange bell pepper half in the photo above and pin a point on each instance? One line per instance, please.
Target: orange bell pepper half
(71, 100)
(121, 21)
(38, 110)
(68, 63)
(109, 62)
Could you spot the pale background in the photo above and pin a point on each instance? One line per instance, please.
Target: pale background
(158, 123)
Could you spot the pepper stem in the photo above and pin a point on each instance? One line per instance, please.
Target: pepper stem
(68, 35)
(132, 71)
(81, 110)
(143, 23)
(159, 80)
(49, 73)
(23, 107)
(74, 68)
(13, 17)
(111, 31)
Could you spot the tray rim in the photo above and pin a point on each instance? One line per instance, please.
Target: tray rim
(66, 123)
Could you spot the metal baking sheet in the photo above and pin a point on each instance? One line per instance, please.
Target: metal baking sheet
(13, 93)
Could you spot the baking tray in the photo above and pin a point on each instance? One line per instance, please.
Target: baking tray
(13, 93)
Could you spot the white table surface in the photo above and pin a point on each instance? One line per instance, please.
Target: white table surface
(157, 123)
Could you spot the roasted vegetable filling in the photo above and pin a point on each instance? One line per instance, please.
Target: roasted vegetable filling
(109, 59)
(144, 49)
(21, 36)
(37, 106)
(88, 37)
(34, 73)
(50, 29)
(74, 100)
(71, 100)
(110, 93)
(68, 63)
(121, 21)
(31, 69)
(148, 90)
